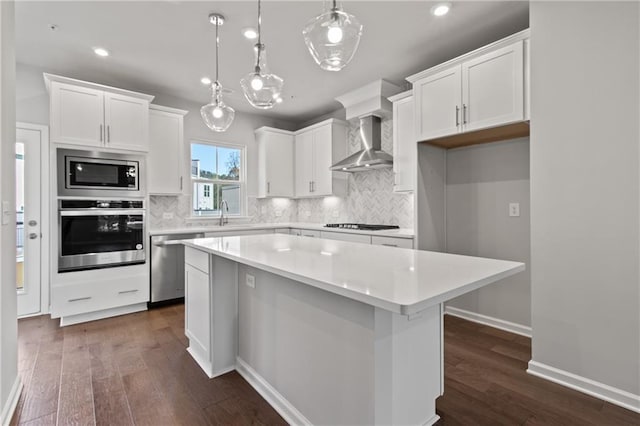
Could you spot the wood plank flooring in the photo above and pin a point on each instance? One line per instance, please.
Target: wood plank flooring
(134, 369)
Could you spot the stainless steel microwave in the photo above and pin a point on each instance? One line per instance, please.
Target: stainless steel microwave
(99, 174)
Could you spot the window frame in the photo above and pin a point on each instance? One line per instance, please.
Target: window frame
(242, 181)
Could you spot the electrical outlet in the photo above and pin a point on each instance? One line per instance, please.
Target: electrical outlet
(167, 215)
(251, 281)
(263, 210)
(278, 213)
(514, 209)
(307, 213)
(336, 213)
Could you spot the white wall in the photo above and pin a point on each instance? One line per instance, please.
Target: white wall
(481, 182)
(585, 190)
(8, 313)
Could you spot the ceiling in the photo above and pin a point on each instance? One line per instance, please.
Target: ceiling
(167, 46)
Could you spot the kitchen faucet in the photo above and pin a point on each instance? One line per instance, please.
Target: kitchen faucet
(223, 205)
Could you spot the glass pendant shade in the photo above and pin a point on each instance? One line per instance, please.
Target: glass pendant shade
(216, 115)
(332, 38)
(261, 88)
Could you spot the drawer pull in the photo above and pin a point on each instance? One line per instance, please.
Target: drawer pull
(79, 299)
(128, 291)
(389, 245)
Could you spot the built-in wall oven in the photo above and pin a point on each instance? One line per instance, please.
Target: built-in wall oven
(99, 174)
(100, 233)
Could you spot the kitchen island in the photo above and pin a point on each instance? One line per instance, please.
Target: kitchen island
(329, 332)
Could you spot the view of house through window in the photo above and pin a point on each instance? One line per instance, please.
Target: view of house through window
(216, 175)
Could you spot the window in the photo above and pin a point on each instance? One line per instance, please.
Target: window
(217, 175)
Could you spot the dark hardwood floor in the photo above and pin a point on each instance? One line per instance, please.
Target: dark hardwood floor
(134, 369)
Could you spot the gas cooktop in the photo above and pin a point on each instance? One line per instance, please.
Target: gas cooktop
(361, 226)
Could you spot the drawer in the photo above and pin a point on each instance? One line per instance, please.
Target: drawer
(392, 241)
(97, 295)
(282, 231)
(196, 258)
(309, 233)
(296, 232)
(343, 236)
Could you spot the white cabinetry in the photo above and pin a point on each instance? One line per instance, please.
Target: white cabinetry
(211, 311)
(392, 241)
(93, 115)
(166, 147)
(481, 90)
(275, 162)
(317, 147)
(404, 142)
(343, 236)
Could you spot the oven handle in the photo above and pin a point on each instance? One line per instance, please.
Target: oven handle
(129, 212)
(136, 224)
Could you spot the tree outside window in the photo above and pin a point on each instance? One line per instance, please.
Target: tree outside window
(216, 175)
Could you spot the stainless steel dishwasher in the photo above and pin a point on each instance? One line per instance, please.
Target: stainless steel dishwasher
(167, 267)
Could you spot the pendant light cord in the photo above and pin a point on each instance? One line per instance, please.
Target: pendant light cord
(217, 45)
(259, 37)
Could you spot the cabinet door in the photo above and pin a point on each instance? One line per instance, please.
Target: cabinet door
(275, 164)
(404, 146)
(343, 236)
(127, 121)
(77, 115)
(493, 88)
(304, 163)
(321, 184)
(198, 311)
(437, 100)
(164, 171)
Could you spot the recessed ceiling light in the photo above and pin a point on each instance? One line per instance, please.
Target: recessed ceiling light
(100, 51)
(250, 33)
(441, 9)
(205, 80)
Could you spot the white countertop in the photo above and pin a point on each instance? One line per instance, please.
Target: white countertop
(399, 233)
(399, 280)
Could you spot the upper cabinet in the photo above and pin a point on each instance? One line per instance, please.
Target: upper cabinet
(93, 115)
(275, 162)
(485, 89)
(404, 142)
(166, 149)
(317, 147)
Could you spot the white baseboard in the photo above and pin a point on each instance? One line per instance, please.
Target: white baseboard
(288, 412)
(12, 402)
(511, 327)
(97, 315)
(582, 384)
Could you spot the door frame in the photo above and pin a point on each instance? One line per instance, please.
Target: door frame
(45, 228)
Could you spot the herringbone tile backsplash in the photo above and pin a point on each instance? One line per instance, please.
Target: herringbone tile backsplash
(370, 200)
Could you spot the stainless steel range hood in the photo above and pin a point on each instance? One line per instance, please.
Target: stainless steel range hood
(371, 155)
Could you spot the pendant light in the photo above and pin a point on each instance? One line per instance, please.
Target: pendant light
(332, 38)
(216, 115)
(261, 88)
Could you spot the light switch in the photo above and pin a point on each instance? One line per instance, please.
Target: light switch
(6, 213)
(251, 281)
(514, 209)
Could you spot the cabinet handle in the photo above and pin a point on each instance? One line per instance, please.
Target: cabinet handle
(79, 299)
(313, 186)
(310, 190)
(464, 114)
(268, 187)
(128, 291)
(180, 183)
(457, 115)
(108, 133)
(389, 245)
(101, 133)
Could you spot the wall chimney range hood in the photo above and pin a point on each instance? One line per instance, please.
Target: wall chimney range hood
(371, 155)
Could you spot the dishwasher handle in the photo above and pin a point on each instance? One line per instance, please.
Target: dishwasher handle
(176, 242)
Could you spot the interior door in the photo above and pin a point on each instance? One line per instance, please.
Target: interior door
(28, 215)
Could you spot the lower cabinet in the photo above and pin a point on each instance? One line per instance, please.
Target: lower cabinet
(392, 241)
(343, 236)
(210, 320)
